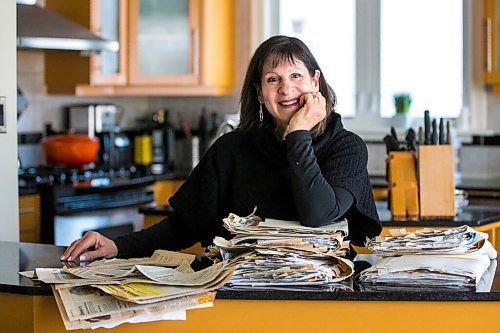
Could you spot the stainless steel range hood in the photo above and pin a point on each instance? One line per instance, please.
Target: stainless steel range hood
(39, 28)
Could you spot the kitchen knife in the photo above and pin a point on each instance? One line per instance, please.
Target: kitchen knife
(388, 143)
(410, 139)
(448, 139)
(394, 137)
(420, 135)
(442, 139)
(427, 128)
(434, 137)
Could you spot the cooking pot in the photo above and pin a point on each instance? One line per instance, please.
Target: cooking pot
(70, 149)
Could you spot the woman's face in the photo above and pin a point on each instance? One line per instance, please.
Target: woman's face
(282, 86)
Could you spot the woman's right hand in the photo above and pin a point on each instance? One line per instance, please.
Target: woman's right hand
(103, 247)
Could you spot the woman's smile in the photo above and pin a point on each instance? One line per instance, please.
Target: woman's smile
(289, 103)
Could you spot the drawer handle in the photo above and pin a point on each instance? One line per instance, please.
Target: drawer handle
(26, 210)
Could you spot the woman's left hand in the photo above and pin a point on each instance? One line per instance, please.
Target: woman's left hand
(312, 112)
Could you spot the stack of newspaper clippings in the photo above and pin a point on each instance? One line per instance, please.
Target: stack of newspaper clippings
(107, 293)
(284, 255)
(454, 259)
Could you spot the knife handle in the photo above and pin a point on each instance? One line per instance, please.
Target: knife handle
(442, 139)
(427, 128)
(448, 138)
(434, 138)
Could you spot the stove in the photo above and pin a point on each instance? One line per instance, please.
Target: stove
(34, 176)
(74, 201)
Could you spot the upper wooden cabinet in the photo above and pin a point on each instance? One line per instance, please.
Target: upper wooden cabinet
(491, 67)
(175, 47)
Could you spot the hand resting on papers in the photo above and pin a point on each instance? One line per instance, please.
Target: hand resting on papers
(91, 246)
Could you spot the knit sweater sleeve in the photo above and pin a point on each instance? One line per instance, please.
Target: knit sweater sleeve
(318, 203)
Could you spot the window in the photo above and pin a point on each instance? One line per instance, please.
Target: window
(370, 50)
(328, 29)
(421, 54)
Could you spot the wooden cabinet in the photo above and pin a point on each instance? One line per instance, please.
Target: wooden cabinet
(108, 19)
(167, 48)
(164, 189)
(29, 218)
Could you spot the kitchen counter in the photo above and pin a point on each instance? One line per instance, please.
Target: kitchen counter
(27, 306)
(15, 257)
(461, 183)
(470, 215)
(473, 216)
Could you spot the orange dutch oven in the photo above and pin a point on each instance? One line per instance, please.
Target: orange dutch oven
(70, 149)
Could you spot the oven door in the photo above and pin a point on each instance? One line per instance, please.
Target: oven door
(110, 223)
(68, 212)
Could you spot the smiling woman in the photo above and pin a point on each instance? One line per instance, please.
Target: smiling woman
(290, 157)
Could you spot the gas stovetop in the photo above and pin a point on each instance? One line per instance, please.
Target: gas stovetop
(77, 177)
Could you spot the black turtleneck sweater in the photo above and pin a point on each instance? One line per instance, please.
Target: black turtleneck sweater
(313, 181)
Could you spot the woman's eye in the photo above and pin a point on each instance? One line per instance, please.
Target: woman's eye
(296, 75)
(272, 80)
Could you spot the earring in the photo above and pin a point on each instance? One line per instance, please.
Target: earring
(261, 114)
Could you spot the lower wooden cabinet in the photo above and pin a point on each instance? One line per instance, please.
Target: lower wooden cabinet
(164, 189)
(29, 218)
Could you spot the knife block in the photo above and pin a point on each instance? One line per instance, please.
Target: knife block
(403, 188)
(436, 181)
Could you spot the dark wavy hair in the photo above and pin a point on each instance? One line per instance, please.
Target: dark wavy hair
(279, 49)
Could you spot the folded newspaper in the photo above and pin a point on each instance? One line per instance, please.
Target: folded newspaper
(460, 240)
(456, 258)
(277, 254)
(429, 273)
(107, 293)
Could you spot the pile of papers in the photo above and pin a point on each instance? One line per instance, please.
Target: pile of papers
(460, 240)
(457, 258)
(108, 293)
(276, 254)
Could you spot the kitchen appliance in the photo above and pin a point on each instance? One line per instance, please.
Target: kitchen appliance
(116, 149)
(92, 118)
(162, 143)
(76, 200)
(70, 149)
(40, 28)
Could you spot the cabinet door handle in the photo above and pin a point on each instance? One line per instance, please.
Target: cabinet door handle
(488, 46)
(26, 210)
(196, 51)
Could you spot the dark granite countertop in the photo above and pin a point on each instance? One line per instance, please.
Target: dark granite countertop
(156, 210)
(472, 216)
(27, 190)
(15, 257)
(461, 183)
(469, 215)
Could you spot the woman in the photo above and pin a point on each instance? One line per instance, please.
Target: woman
(290, 157)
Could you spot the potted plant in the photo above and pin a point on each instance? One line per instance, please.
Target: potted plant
(402, 102)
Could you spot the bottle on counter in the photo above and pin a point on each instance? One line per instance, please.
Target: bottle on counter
(168, 142)
(143, 155)
(214, 125)
(163, 143)
(203, 132)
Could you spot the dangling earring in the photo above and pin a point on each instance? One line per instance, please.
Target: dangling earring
(261, 114)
